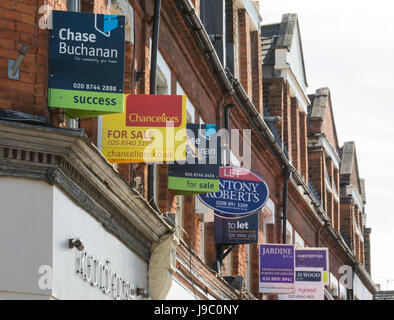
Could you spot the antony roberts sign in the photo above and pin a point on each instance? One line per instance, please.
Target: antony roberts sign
(86, 63)
(241, 192)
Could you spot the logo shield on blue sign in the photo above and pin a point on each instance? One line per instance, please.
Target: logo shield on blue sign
(105, 23)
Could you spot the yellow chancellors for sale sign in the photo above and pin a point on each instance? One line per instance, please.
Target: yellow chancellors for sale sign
(151, 129)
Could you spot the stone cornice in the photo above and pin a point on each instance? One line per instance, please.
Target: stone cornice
(65, 157)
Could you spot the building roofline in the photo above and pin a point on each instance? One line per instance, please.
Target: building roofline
(234, 88)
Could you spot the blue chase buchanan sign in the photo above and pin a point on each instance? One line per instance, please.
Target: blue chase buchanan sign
(86, 63)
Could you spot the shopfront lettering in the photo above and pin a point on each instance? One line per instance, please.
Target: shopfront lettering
(100, 275)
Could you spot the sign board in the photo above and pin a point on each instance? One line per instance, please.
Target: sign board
(236, 231)
(241, 192)
(152, 129)
(276, 268)
(200, 173)
(313, 258)
(86, 63)
(308, 285)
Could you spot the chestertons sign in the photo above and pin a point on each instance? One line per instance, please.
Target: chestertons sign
(152, 129)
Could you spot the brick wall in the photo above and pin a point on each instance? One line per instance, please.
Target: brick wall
(330, 195)
(166, 197)
(244, 51)
(232, 38)
(191, 224)
(304, 146)
(18, 26)
(287, 120)
(257, 71)
(337, 207)
(328, 127)
(359, 237)
(316, 171)
(210, 248)
(367, 249)
(337, 217)
(273, 92)
(254, 288)
(347, 211)
(295, 134)
(239, 260)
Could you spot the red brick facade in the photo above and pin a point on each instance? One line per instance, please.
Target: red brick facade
(191, 70)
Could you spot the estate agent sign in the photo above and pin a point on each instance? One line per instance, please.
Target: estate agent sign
(276, 268)
(86, 63)
(241, 192)
(152, 129)
(313, 258)
(308, 285)
(236, 231)
(200, 173)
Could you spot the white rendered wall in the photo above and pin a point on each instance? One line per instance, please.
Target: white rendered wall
(36, 221)
(71, 221)
(179, 292)
(25, 237)
(295, 60)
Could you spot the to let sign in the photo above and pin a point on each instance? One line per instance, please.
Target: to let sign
(236, 231)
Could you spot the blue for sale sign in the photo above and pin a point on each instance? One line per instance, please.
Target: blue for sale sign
(86, 63)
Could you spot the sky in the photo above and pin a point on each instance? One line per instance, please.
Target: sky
(348, 47)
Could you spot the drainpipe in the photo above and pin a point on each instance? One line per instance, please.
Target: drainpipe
(220, 248)
(227, 108)
(234, 88)
(318, 234)
(152, 90)
(286, 175)
(227, 115)
(187, 8)
(352, 290)
(73, 6)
